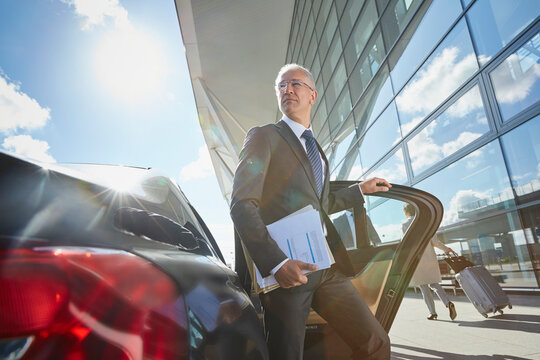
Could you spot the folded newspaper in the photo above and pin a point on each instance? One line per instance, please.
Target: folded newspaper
(300, 236)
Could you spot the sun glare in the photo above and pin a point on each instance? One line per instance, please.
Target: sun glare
(130, 64)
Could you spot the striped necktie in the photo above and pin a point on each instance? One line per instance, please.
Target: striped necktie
(314, 158)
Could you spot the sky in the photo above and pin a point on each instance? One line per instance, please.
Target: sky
(106, 81)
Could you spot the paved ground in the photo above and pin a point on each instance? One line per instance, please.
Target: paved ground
(513, 336)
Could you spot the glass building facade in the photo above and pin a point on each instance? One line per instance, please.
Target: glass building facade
(441, 95)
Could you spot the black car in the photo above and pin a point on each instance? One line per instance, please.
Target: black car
(113, 262)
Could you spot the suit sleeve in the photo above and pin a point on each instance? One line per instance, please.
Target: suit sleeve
(346, 198)
(247, 193)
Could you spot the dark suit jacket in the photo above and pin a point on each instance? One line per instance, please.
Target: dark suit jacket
(274, 179)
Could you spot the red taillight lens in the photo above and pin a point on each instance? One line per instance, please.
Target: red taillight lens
(90, 303)
(32, 293)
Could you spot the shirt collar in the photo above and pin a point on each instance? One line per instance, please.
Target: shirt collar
(298, 129)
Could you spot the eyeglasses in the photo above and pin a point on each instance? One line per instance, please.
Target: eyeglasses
(296, 84)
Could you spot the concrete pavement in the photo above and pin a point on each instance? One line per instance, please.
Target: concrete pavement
(513, 336)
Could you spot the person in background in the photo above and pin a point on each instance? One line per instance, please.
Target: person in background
(427, 275)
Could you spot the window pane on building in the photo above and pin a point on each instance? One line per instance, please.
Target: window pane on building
(414, 48)
(393, 169)
(382, 135)
(370, 62)
(522, 151)
(374, 100)
(498, 243)
(341, 111)
(352, 11)
(459, 125)
(361, 34)
(336, 84)
(515, 80)
(452, 63)
(494, 23)
(345, 140)
(351, 168)
(471, 187)
(395, 17)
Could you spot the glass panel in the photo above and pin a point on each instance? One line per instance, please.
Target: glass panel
(316, 5)
(321, 19)
(393, 169)
(381, 4)
(309, 31)
(303, 20)
(310, 54)
(319, 118)
(371, 61)
(375, 99)
(473, 186)
(411, 50)
(328, 33)
(345, 140)
(494, 23)
(349, 17)
(459, 125)
(351, 168)
(336, 84)
(522, 151)
(340, 112)
(361, 34)
(344, 223)
(333, 55)
(529, 217)
(515, 81)
(316, 71)
(446, 69)
(382, 135)
(396, 16)
(497, 243)
(388, 220)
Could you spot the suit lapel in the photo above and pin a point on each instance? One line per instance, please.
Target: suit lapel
(290, 138)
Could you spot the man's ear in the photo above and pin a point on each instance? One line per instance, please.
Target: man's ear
(313, 98)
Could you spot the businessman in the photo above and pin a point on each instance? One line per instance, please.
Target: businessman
(281, 170)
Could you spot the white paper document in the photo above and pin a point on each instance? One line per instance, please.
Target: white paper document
(300, 236)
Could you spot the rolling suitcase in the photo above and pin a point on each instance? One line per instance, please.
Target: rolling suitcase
(482, 290)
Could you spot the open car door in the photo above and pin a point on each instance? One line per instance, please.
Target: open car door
(384, 247)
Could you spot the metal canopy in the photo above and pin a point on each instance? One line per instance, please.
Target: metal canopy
(234, 49)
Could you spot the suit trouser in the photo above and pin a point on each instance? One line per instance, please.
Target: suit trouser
(332, 296)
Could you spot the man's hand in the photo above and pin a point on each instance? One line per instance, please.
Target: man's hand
(290, 274)
(374, 184)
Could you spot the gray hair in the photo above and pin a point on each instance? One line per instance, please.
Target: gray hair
(289, 67)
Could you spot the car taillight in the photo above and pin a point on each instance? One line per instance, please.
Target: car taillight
(87, 303)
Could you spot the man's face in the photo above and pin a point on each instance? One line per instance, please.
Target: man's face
(295, 102)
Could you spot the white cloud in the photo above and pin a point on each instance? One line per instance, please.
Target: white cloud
(463, 139)
(356, 172)
(94, 12)
(512, 83)
(198, 169)
(433, 84)
(396, 175)
(26, 146)
(464, 199)
(18, 110)
(466, 104)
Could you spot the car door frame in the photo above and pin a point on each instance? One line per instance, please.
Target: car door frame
(406, 254)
